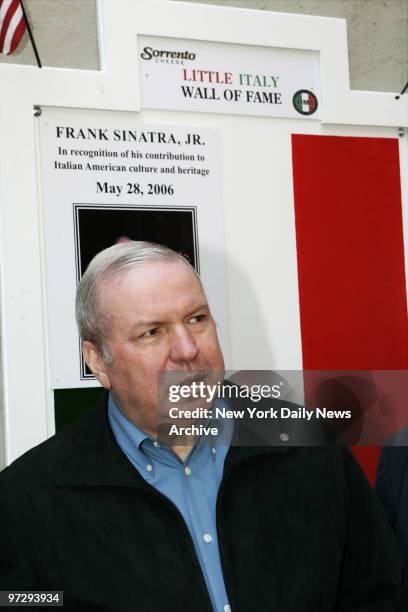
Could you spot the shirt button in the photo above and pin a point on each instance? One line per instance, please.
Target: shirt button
(156, 444)
(207, 538)
(227, 608)
(187, 471)
(149, 467)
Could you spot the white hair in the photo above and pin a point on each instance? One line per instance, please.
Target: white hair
(111, 263)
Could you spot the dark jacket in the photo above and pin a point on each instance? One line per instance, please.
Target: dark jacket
(392, 488)
(299, 530)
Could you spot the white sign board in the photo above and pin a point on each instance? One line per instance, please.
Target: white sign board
(107, 178)
(213, 77)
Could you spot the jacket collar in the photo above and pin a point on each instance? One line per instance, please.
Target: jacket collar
(88, 454)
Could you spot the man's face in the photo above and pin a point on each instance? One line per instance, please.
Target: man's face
(157, 319)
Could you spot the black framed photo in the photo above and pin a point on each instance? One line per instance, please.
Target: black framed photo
(98, 227)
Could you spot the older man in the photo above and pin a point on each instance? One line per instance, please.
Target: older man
(119, 520)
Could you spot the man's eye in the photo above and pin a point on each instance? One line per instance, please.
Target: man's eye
(197, 318)
(151, 332)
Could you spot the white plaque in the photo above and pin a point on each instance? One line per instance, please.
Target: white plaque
(192, 75)
(107, 178)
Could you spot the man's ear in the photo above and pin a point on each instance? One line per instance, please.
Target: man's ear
(96, 363)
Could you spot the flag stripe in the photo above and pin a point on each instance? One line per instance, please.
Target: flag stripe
(12, 25)
(350, 249)
(16, 20)
(312, 103)
(4, 8)
(13, 5)
(17, 36)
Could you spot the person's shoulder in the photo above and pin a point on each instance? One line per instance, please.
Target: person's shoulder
(39, 464)
(394, 454)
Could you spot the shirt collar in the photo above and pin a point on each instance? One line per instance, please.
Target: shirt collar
(131, 435)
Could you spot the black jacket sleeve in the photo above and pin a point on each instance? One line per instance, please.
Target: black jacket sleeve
(372, 564)
(16, 572)
(384, 486)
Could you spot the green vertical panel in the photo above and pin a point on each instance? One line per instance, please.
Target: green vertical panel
(71, 404)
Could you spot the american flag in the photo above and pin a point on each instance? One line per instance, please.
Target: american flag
(12, 25)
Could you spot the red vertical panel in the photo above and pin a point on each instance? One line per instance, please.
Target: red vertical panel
(349, 240)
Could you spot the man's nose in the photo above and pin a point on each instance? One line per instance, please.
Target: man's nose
(183, 345)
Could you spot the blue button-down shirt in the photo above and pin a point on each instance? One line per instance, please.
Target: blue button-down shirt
(191, 485)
